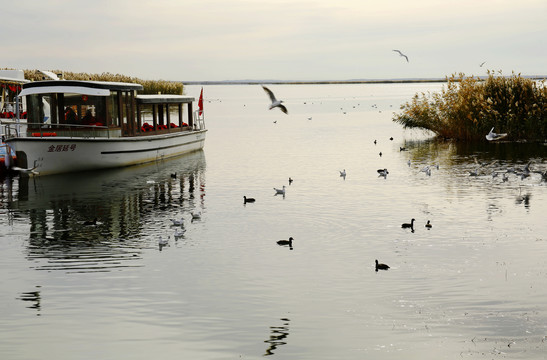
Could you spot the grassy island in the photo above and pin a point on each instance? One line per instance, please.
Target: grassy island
(468, 107)
(150, 86)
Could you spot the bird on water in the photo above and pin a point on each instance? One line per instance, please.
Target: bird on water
(380, 266)
(177, 222)
(383, 172)
(275, 103)
(428, 225)
(163, 242)
(248, 200)
(407, 225)
(286, 242)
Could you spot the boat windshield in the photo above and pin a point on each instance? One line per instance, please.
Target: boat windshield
(73, 109)
(69, 109)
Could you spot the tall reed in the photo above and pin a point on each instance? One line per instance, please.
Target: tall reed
(468, 107)
(150, 86)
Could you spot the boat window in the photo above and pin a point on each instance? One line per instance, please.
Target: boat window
(113, 109)
(83, 110)
(35, 114)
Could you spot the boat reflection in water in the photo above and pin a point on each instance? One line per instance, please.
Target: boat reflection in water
(101, 220)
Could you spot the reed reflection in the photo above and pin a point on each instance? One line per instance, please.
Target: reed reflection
(510, 156)
(277, 337)
(499, 168)
(98, 221)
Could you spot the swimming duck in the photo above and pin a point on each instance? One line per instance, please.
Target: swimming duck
(383, 172)
(285, 242)
(428, 225)
(380, 266)
(407, 225)
(248, 200)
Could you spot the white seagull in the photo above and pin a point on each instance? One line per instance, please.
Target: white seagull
(275, 102)
(280, 191)
(493, 136)
(401, 54)
(179, 233)
(343, 173)
(196, 215)
(177, 222)
(163, 242)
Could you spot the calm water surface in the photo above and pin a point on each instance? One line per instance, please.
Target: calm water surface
(474, 286)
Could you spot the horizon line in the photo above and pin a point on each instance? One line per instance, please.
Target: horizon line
(348, 81)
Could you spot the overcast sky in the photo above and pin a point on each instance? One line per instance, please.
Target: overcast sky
(276, 39)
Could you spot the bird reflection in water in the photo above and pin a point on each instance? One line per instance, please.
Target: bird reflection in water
(277, 336)
(523, 199)
(34, 298)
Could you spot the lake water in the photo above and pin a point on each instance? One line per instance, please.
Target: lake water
(473, 286)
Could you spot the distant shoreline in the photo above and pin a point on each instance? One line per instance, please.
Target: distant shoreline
(329, 82)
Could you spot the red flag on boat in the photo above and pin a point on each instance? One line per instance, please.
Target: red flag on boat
(200, 102)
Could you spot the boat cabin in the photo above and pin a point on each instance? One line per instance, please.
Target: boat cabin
(103, 109)
(10, 86)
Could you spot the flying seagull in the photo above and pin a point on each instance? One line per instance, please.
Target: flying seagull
(493, 136)
(275, 102)
(401, 54)
(484, 62)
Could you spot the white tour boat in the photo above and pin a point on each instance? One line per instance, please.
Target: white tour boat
(86, 125)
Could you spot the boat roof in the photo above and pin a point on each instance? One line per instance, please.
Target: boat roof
(92, 88)
(13, 77)
(10, 80)
(164, 99)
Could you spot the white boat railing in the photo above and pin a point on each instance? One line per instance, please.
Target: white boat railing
(199, 120)
(13, 130)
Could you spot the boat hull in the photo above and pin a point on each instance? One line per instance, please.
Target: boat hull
(54, 155)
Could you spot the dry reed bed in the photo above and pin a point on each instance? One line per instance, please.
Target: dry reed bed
(150, 86)
(468, 107)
